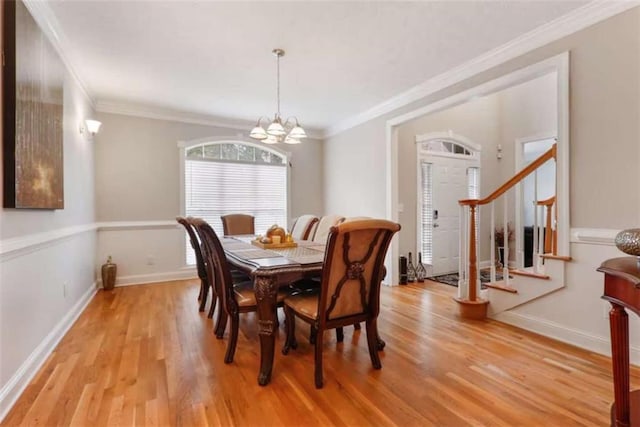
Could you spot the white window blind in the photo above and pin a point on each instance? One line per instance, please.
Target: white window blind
(426, 243)
(216, 187)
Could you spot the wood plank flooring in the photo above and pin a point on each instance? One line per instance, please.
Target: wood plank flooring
(144, 355)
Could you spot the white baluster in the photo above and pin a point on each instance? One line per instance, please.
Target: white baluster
(535, 222)
(505, 240)
(461, 257)
(493, 242)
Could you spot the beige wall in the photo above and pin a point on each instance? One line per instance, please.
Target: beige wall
(138, 179)
(138, 169)
(604, 102)
(45, 279)
(604, 172)
(524, 110)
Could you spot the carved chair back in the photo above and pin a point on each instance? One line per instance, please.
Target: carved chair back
(220, 267)
(195, 244)
(353, 269)
(302, 226)
(324, 225)
(236, 224)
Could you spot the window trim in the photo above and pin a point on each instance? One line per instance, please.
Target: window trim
(183, 146)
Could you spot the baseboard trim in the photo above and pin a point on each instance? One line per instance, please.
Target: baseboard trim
(137, 225)
(143, 279)
(16, 385)
(597, 344)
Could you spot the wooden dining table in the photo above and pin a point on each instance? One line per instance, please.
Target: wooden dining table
(271, 269)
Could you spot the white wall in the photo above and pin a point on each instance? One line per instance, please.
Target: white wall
(604, 154)
(47, 260)
(138, 183)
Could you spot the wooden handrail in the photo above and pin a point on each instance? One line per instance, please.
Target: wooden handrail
(550, 154)
(548, 202)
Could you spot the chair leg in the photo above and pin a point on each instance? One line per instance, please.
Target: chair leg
(233, 340)
(340, 334)
(318, 367)
(290, 327)
(312, 335)
(221, 323)
(356, 326)
(204, 290)
(214, 301)
(372, 341)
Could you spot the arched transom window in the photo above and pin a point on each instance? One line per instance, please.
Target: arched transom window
(221, 178)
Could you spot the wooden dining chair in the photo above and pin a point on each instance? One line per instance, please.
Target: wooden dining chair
(235, 298)
(238, 224)
(324, 225)
(200, 265)
(350, 287)
(302, 226)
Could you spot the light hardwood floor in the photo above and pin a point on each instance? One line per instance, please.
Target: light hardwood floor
(144, 355)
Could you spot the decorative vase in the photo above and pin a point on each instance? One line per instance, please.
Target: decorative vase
(109, 275)
(628, 241)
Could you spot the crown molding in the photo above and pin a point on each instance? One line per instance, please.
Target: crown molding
(161, 113)
(50, 26)
(563, 26)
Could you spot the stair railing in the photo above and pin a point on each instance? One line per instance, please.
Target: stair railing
(469, 284)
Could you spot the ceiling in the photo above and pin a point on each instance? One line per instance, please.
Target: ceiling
(214, 58)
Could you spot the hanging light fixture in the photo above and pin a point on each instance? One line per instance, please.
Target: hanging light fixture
(290, 132)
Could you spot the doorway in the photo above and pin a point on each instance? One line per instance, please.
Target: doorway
(448, 171)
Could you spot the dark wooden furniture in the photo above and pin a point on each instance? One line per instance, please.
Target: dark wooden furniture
(349, 290)
(235, 298)
(202, 269)
(622, 290)
(237, 224)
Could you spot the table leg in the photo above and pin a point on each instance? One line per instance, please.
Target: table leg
(266, 289)
(619, 324)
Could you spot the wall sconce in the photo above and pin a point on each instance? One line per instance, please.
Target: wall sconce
(91, 126)
(499, 153)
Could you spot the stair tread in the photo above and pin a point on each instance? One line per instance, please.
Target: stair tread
(529, 274)
(501, 286)
(560, 257)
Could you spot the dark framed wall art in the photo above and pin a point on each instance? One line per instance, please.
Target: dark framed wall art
(32, 96)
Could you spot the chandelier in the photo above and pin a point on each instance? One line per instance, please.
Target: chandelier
(290, 132)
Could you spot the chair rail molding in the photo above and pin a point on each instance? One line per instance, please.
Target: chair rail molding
(17, 246)
(594, 236)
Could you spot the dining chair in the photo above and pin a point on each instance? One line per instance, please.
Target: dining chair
(350, 287)
(235, 298)
(200, 265)
(237, 224)
(324, 225)
(302, 226)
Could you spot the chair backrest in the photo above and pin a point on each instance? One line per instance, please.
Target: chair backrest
(218, 260)
(355, 218)
(195, 244)
(353, 269)
(324, 225)
(302, 226)
(235, 224)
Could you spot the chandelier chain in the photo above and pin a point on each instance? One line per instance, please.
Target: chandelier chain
(278, 84)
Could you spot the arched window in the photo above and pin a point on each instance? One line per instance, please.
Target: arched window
(224, 177)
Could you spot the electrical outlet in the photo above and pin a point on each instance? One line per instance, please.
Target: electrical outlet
(151, 260)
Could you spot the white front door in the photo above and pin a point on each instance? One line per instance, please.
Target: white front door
(450, 184)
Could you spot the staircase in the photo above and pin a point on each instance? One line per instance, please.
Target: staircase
(518, 284)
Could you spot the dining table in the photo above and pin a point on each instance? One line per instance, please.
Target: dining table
(270, 269)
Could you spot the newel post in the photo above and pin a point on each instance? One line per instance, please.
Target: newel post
(472, 307)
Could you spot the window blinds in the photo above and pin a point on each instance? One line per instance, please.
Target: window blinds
(426, 243)
(216, 188)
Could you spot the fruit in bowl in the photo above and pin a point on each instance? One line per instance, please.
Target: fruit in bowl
(265, 240)
(274, 230)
